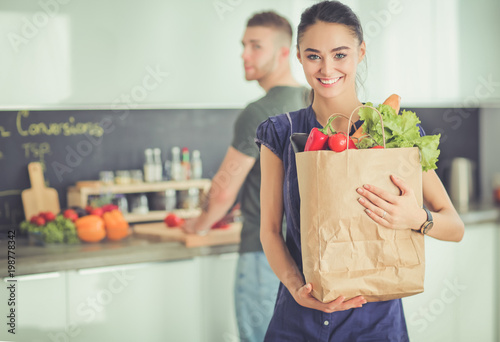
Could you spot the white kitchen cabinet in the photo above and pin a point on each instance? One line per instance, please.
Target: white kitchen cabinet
(217, 284)
(40, 308)
(138, 302)
(477, 270)
(422, 50)
(460, 297)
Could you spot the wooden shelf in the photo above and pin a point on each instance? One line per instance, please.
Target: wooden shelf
(143, 187)
(159, 215)
(78, 196)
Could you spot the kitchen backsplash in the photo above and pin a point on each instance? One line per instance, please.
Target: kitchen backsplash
(76, 145)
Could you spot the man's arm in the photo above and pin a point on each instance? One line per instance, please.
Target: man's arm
(225, 187)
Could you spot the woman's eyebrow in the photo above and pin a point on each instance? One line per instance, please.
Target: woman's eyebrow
(333, 50)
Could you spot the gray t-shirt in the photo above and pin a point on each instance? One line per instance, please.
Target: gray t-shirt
(278, 100)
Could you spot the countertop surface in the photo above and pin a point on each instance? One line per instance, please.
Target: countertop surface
(53, 258)
(35, 259)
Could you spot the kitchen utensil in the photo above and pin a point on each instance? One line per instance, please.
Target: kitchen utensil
(39, 198)
(461, 182)
(160, 232)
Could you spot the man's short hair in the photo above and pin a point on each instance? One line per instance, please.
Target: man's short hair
(273, 20)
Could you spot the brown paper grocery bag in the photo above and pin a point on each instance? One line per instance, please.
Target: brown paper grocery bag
(345, 252)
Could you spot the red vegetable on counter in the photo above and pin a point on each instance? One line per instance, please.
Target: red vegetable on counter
(173, 221)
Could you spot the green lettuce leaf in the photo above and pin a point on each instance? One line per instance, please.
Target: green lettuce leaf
(429, 151)
(400, 131)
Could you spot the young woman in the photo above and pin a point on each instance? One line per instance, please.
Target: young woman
(330, 46)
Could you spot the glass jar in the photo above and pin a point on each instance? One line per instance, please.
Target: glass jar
(189, 199)
(122, 177)
(121, 201)
(164, 200)
(139, 204)
(107, 177)
(136, 176)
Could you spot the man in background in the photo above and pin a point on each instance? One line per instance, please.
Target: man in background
(266, 53)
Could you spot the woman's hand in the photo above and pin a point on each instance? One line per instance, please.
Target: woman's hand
(392, 211)
(304, 297)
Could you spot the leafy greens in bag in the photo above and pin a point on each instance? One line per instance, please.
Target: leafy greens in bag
(400, 131)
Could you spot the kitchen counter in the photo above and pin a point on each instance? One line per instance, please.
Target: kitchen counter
(480, 212)
(35, 259)
(53, 258)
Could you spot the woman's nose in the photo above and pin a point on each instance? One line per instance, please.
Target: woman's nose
(327, 66)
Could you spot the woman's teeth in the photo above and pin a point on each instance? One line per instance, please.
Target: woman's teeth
(329, 81)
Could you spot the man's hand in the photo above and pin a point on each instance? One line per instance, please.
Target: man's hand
(191, 226)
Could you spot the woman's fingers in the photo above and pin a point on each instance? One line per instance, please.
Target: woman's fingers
(372, 209)
(306, 299)
(401, 185)
(376, 195)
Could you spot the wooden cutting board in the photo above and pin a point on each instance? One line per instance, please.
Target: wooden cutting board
(39, 198)
(158, 231)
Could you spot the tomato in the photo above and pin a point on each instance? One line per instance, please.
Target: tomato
(378, 146)
(338, 142)
(97, 211)
(109, 207)
(48, 216)
(70, 214)
(33, 219)
(173, 220)
(40, 221)
(88, 208)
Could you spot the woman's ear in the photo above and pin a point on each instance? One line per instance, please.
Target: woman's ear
(362, 51)
(298, 55)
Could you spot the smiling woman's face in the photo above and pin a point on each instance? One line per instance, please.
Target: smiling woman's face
(330, 54)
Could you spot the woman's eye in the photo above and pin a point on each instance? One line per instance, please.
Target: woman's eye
(313, 57)
(256, 46)
(340, 55)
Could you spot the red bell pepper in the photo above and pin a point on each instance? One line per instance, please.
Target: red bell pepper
(318, 138)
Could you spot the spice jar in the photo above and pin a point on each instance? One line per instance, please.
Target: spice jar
(121, 201)
(107, 177)
(136, 176)
(164, 200)
(122, 177)
(189, 199)
(139, 204)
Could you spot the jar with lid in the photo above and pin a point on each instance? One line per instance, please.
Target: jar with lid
(139, 204)
(121, 201)
(164, 200)
(136, 176)
(107, 177)
(122, 177)
(189, 199)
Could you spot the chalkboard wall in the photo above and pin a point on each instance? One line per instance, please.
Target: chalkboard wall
(75, 145)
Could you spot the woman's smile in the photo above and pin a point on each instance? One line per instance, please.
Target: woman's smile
(329, 82)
